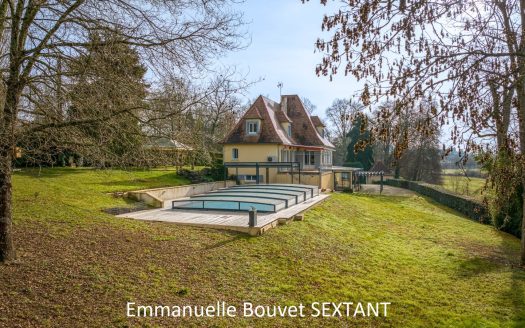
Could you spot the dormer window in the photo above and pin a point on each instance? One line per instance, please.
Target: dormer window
(252, 126)
(289, 130)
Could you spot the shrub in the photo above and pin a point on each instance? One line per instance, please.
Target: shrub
(507, 217)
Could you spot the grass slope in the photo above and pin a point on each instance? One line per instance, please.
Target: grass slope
(79, 266)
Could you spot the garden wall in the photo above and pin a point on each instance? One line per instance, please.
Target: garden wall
(156, 197)
(469, 207)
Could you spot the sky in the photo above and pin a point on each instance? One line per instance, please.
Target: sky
(283, 34)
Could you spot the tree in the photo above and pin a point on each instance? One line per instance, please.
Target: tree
(360, 149)
(113, 66)
(310, 107)
(38, 38)
(340, 116)
(421, 160)
(446, 53)
(197, 115)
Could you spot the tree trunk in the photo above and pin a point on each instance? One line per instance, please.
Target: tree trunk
(521, 124)
(7, 148)
(7, 250)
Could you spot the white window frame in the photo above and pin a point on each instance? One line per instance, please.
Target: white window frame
(249, 177)
(309, 158)
(235, 154)
(326, 157)
(250, 124)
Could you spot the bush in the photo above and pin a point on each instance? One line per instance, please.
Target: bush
(193, 176)
(471, 208)
(508, 216)
(207, 174)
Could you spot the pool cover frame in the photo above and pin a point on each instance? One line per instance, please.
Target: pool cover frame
(246, 196)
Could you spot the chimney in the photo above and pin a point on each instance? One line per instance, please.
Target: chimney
(284, 104)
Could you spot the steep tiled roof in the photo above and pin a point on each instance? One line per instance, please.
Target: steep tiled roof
(253, 113)
(267, 130)
(303, 129)
(282, 117)
(317, 121)
(271, 114)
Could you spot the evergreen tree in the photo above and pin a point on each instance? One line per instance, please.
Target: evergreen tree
(108, 80)
(360, 151)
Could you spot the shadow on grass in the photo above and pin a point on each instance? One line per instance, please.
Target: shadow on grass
(515, 295)
(502, 260)
(475, 266)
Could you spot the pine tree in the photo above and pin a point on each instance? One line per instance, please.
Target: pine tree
(108, 80)
(360, 151)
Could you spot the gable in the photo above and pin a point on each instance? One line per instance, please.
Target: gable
(267, 132)
(271, 115)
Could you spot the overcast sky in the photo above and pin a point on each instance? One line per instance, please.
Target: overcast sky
(283, 33)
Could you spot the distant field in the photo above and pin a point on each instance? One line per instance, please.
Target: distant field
(461, 185)
(79, 266)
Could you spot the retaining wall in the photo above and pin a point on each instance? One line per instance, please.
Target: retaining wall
(156, 197)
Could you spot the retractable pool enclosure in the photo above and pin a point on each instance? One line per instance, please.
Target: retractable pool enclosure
(264, 198)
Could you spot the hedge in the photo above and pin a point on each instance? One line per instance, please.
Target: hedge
(473, 209)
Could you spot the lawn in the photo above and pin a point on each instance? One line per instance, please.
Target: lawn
(79, 266)
(465, 186)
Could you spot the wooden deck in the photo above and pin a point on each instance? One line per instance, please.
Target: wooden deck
(237, 221)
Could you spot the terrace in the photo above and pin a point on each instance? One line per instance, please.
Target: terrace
(227, 208)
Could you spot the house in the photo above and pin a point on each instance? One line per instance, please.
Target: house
(271, 132)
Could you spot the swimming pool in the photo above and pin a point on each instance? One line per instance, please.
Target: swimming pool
(264, 198)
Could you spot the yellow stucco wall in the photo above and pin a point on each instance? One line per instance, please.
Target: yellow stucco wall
(260, 153)
(252, 153)
(327, 181)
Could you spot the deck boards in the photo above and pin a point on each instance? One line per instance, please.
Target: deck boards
(222, 219)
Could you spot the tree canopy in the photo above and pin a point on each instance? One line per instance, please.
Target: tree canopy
(51, 47)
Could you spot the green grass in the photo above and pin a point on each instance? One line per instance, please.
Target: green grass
(461, 185)
(79, 195)
(79, 266)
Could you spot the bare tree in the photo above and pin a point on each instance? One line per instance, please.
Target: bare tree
(310, 107)
(40, 37)
(340, 117)
(197, 115)
(409, 51)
